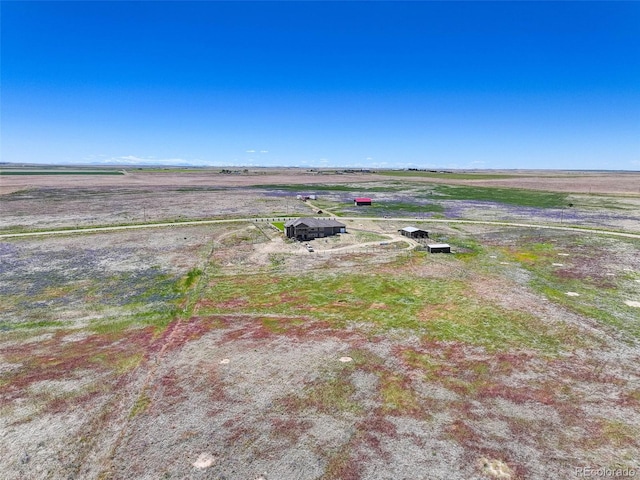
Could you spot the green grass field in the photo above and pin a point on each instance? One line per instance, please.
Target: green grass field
(509, 196)
(439, 310)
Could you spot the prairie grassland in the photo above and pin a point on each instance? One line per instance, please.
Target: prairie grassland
(51, 208)
(508, 196)
(44, 172)
(439, 364)
(600, 274)
(493, 203)
(85, 202)
(154, 350)
(440, 309)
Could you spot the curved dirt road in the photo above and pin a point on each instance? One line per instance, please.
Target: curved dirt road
(267, 219)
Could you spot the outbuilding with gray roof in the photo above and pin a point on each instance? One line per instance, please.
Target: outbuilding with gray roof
(413, 232)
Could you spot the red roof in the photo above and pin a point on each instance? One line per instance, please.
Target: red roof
(362, 199)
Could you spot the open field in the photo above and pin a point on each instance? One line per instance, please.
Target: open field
(225, 351)
(618, 183)
(64, 172)
(478, 203)
(8, 169)
(56, 208)
(221, 346)
(59, 201)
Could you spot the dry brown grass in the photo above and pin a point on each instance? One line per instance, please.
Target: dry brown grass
(578, 182)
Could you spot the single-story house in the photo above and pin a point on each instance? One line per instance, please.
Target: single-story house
(439, 248)
(310, 228)
(413, 232)
(362, 201)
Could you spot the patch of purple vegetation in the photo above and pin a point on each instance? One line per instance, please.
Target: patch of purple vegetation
(36, 280)
(501, 212)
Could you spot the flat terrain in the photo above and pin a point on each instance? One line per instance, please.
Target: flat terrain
(33, 202)
(626, 183)
(226, 351)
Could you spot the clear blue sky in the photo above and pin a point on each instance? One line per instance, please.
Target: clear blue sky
(380, 84)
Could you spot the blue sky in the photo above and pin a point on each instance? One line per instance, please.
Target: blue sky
(364, 84)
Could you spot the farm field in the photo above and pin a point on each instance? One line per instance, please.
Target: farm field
(225, 351)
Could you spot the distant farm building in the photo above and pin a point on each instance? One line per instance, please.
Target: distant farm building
(439, 248)
(413, 232)
(310, 228)
(304, 198)
(362, 201)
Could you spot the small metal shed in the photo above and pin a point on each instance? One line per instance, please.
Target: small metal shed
(413, 232)
(439, 248)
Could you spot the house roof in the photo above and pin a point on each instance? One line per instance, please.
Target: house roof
(439, 245)
(314, 222)
(412, 229)
(362, 199)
